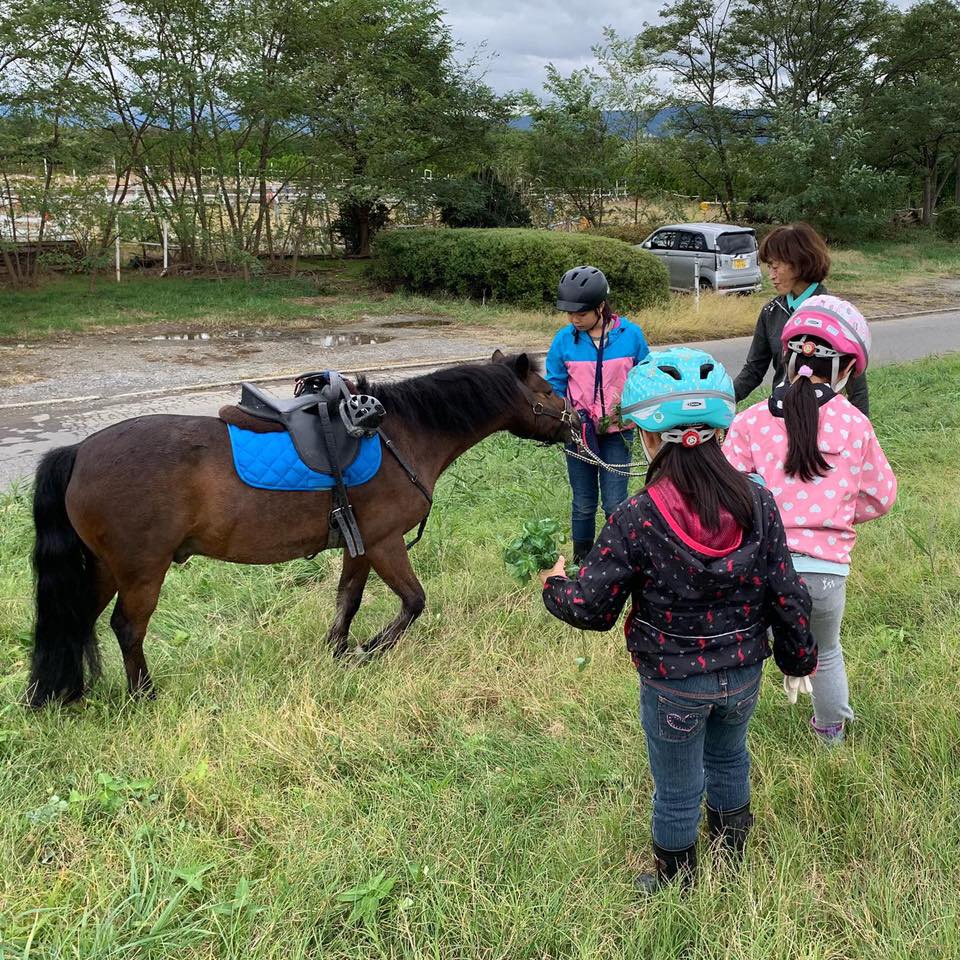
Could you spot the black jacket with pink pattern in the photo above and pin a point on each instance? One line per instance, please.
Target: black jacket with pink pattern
(691, 612)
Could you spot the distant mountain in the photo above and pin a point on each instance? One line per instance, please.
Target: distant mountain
(617, 121)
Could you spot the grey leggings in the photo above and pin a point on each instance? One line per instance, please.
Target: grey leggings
(831, 698)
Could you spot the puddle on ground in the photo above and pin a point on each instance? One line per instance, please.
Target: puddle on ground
(317, 338)
(345, 339)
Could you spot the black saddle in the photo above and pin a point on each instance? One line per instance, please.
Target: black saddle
(302, 419)
(318, 419)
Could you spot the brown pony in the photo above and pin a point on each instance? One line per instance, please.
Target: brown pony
(114, 511)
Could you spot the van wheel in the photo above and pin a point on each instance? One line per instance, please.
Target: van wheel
(705, 287)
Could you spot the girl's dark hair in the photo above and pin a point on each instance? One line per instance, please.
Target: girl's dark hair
(706, 480)
(802, 247)
(801, 414)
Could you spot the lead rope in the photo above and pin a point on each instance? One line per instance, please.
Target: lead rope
(626, 471)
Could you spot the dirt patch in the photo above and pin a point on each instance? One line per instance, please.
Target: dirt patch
(324, 301)
(911, 296)
(17, 378)
(415, 321)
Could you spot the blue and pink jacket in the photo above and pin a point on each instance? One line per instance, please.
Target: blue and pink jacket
(592, 376)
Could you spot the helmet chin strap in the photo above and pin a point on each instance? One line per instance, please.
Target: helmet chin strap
(647, 455)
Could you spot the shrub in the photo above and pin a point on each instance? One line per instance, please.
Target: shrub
(948, 222)
(513, 266)
(627, 232)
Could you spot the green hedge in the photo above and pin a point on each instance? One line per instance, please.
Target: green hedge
(512, 266)
(627, 232)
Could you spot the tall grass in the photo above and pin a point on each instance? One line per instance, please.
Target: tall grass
(480, 792)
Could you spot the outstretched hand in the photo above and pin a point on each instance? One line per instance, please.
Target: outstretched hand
(559, 569)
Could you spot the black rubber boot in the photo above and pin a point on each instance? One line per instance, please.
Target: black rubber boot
(580, 550)
(671, 865)
(729, 830)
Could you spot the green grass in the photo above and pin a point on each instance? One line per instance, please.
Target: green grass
(504, 791)
(881, 277)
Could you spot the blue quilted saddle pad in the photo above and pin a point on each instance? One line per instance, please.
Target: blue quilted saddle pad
(270, 461)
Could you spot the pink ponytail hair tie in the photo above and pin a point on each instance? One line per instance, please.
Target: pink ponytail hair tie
(805, 371)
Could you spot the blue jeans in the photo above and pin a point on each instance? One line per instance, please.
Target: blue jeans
(585, 479)
(696, 732)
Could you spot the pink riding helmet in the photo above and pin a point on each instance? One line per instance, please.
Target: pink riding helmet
(837, 323)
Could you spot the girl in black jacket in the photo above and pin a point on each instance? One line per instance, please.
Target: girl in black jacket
(702, 556)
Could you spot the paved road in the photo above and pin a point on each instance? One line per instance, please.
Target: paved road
(27, 431)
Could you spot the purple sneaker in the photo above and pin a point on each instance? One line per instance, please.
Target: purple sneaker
(831, 734)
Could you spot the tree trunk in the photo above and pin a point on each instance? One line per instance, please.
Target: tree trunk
(44, 213)
(15, 268)
(956, 185)
(929, 198)
(361, 214)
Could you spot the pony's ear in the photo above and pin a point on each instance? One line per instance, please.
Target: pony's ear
(498, 356)
(521, 366)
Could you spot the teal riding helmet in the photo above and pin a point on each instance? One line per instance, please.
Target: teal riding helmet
(683, 394)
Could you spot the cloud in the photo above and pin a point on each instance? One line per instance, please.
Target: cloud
(522, 36)
(519, 38)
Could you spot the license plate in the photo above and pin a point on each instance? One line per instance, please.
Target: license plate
(739, 264)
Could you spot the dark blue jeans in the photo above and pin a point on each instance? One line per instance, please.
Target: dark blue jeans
(591, 484)
(696, 732)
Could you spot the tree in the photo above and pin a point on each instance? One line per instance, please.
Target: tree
(482, 200)
(626, 86)
(816, 171)
(798, 55)
(912, 105)
(398, 105)
(691, 47)
(570, 149)
(46, 95)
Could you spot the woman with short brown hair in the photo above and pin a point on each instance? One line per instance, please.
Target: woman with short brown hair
(798, 262)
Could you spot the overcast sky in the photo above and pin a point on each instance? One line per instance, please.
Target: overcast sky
(528, 34)
(525, 35)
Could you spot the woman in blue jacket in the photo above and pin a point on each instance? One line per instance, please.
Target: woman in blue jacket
(588, 363)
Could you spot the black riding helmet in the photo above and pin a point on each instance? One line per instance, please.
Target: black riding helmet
(582, 288)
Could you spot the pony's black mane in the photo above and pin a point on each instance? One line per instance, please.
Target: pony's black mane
(458, 400)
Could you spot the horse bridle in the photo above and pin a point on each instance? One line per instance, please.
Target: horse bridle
(566, 417)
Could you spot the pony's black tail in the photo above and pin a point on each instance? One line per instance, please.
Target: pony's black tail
(65, 571)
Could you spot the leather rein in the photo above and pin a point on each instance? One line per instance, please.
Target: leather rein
(539, 410)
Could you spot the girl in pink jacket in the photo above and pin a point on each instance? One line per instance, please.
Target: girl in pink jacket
(821, 460)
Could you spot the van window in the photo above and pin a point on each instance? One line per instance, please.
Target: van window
(744, 242)
(663, 240)
(692, 241)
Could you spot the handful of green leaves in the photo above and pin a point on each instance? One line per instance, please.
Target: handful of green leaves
(537, 548)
